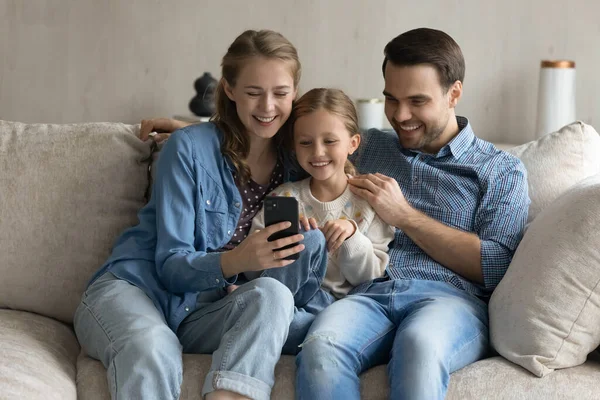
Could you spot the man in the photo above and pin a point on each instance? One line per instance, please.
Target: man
(459, 206)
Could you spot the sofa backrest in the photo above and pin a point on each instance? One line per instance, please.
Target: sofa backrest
(66, 192)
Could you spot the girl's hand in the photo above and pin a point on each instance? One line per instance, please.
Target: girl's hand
(308, 223)
(336, 231)
(255, 253)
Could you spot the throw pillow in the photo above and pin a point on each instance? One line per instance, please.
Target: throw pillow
(545, 313)
(557, 161)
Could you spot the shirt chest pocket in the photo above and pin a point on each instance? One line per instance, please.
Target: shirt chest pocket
(213, 211)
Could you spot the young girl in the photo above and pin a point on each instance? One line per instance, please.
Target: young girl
(325, 133)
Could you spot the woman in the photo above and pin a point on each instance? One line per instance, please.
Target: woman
(168, 284)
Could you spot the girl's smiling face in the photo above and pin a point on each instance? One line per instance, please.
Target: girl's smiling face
(322, 144)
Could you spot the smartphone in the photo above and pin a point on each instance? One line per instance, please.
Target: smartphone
(280, 209)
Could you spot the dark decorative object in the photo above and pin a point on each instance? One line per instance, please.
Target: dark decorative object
(203, 104)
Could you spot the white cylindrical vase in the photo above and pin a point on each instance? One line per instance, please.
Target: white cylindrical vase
(556, 96)
(370, 113)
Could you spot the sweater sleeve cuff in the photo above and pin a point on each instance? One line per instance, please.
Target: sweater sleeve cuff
(354, 244)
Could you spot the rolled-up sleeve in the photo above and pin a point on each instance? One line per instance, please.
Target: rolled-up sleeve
(501, 218)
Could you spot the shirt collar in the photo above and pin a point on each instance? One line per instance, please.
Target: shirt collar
(461, 142)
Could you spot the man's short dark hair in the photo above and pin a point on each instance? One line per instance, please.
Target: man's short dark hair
(427, 46)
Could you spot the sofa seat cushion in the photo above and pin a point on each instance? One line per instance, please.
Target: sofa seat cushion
(491, 379)
(92, 383)
(498, 379)
(38, 357)
(66, 192)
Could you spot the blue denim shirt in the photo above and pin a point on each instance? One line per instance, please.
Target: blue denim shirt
(468, 185)
(194, 209)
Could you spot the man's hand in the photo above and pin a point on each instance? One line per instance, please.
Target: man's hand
(336, 231)
(256, 253)
(454, 249)
(384, 195)
(162, 126)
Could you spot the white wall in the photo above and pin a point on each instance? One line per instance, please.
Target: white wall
(123, 60)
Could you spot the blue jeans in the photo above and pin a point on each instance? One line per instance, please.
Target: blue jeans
(245, 331)
(305, 285)
(423, 330)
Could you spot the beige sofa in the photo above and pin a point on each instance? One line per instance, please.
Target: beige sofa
(67, 191)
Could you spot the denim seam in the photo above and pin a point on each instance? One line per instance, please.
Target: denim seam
(115, 386)
(110, 341)
(177, 393)
(462, 347)
(216, 380)
(358, 369)
(317, 276)
(362, 350)
(240, 302)
(313, 266)
(393, 296)
(101, 324)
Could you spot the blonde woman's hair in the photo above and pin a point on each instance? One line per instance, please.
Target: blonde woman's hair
(267, 44)
(334, 101)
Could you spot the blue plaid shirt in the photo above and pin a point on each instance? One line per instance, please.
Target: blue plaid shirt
(469, 185)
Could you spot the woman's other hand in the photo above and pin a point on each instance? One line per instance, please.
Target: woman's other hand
(162, 126)
(256, 253)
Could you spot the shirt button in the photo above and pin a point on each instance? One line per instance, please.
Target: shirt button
(237, 205)
(229, 232)
(187, 309)
(415, 179)
(217, 280)
(208, 202)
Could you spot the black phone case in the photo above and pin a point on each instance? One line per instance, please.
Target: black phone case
(280, 209)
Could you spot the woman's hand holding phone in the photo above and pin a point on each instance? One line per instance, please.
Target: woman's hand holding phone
(256, 253)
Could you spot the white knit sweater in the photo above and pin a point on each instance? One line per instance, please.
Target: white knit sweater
(363, 256)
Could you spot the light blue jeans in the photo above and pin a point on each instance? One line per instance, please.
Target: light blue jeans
(305, 285)
(423, 330)
(245, 331)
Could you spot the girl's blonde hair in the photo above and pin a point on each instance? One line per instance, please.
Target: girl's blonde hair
(264, 43)
(334, 101)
